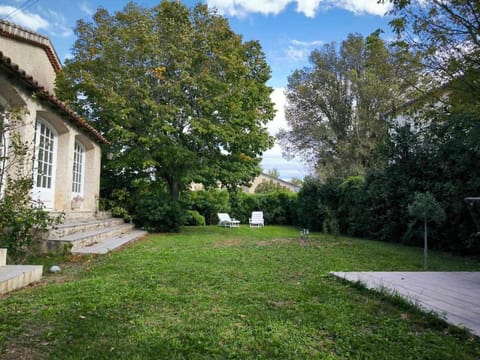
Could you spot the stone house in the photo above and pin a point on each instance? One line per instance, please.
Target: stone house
(64, 157)
(264, 178)
(65, 149)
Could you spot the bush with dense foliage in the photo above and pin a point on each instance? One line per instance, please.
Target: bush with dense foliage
(193, 218)
(282, 205)
(23, 222)
(242, 205)
(207, 203)
(157, 212)
(315, 199)
(269, 186)
(440, 157)
(279, 207)
(153, 210)
(350, 208)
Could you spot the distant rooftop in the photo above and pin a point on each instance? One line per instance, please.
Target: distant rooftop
(283, 182)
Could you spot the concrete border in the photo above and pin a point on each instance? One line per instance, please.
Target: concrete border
(454, 296)
(14, 277)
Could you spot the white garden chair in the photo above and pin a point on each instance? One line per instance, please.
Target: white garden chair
(257, 219)
(225, 220)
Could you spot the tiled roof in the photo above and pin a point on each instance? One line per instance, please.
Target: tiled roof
(44, 94)
(287, 183)
(16, 32)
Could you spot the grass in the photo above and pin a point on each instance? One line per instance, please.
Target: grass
(221, 293)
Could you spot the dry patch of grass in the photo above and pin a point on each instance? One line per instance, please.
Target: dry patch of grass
(283, 303)
(278, 241)
(228, 243)
(27, 346)
(19, 351)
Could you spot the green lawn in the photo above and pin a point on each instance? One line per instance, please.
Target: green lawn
(229, 293)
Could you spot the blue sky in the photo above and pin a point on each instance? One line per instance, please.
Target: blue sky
(287, 30)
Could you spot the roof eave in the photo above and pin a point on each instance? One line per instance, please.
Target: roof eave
(44, 94)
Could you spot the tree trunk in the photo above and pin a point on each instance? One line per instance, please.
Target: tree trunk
(173, 187)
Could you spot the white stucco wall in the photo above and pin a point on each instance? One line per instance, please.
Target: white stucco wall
(32, 59)
(15, 95)
(30, 51)
(264, 178)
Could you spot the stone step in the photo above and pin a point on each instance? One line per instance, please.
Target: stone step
(90, 237)
(112, 243)
(14, 277)
(82, 215)
(3, 257)
(81, 225)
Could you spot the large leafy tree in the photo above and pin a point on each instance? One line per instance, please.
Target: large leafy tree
(335, 106)
(180, 96)
(447, 35)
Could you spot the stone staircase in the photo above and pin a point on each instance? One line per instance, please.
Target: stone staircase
(91, 234)
(17, 276)
(85, 233)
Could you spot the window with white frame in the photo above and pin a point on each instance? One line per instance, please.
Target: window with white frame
(3, 148)
(3, 158)
(45, 156)
(78, 168)
(3, 144)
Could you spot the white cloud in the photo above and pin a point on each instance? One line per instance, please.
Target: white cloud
(243, 7)
(279, 100)
(313, 43)
(49, 21)
(288, 169)
(298, 51)
(85, 8)
(59, 24)
(273, 158)
(363, 6)
(307, 7)
(294, 53)
(31, 21)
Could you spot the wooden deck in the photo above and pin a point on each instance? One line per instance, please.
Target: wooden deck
(455, 296)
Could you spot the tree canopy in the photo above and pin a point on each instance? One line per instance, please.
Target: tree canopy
(180, 96)
(447, 36)
(335, 106)
(274, 173)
